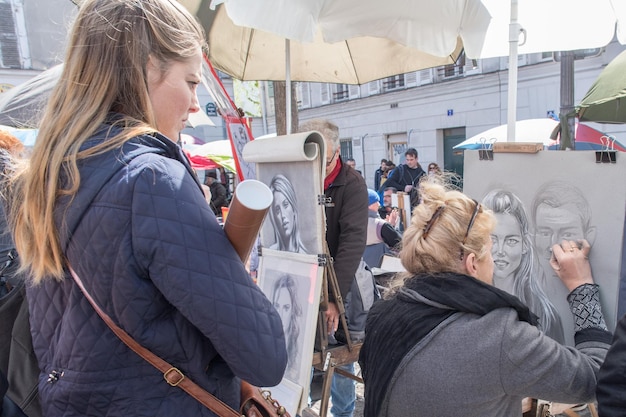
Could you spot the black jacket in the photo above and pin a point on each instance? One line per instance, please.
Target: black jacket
(611, 391)
(346, 224)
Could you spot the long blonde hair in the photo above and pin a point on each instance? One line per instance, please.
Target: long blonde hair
(104, 72)
(446, 215)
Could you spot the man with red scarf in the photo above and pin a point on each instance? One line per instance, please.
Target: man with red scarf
(346, 235)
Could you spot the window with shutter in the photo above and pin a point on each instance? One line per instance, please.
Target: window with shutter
(410, 79)
(325, 93)
(9, 50)
(425, 76)
(354, 91)
(304, 95)
(373, 87)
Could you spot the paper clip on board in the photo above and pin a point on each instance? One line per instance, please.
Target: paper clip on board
(608, 154)
(485, 153)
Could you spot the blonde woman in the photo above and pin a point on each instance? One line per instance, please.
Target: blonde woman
(109, 192)
(448, 342)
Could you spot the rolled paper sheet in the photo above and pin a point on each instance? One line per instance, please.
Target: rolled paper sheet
(246, 212)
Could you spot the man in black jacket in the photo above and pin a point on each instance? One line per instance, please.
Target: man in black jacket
(406, 176)
(346, 232)
(218, 193)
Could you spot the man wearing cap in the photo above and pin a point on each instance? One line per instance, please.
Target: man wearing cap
(218, 192)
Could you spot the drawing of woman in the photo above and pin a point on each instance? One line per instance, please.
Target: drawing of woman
(515, 264)
(284, 216)
(285, 301)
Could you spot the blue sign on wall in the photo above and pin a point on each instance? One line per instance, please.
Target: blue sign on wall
(211, 109)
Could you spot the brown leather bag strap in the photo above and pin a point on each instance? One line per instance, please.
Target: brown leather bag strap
(172, 375)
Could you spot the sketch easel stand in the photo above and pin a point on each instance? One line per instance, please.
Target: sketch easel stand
(325, 358)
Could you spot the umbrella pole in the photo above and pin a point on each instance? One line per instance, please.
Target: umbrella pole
(514, 31)
(288, 86)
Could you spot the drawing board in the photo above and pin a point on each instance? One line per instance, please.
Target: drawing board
(566, 195)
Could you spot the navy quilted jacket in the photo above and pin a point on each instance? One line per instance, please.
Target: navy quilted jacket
(148, 248)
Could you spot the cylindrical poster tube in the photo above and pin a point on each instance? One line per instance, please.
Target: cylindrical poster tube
(246, 212)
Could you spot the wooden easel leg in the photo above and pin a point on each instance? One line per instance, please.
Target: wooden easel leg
(328, 379)
(328, 358)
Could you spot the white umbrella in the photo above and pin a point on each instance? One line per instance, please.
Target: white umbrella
(249, 54)
(531, 130)
(543, 131)
(487, 28)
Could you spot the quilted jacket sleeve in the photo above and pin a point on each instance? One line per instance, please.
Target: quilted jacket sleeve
(192, 263)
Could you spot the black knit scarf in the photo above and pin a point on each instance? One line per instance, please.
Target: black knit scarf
(396, 325)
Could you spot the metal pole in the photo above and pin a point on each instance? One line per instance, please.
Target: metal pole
(288, 86)
(567, 97)
(363, 152)
(514, 32)
(263, 88)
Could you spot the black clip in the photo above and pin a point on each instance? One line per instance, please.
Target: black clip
(322, 200)
(485, 153)
(607, 155)
(323, 259)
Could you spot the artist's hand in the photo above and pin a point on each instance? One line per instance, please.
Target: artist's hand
(570, 261)
(408, 188)
(332, 318)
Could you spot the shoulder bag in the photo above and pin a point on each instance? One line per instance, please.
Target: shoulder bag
(255, 402)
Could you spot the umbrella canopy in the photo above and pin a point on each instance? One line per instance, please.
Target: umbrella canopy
(23, 105)
(219, 151)
(542, 130)
(249, 54)
(433, 27)
(487, 28)
(605, 102)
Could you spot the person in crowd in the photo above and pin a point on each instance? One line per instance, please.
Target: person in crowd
(386, 210)
(284, 216)
(406, 177)
(433, 169)
(109, 194)
(218, 192)
(346, 232)
(447, 341)
(382, 237)
(17, 359)
(378, 174)
(515, 263)
(560, 211)
(352, 163)
(389, 167)
(285, 300)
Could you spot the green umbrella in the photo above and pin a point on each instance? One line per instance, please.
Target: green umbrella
(605, 102)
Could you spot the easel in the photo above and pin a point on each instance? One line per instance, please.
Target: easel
(325, 358)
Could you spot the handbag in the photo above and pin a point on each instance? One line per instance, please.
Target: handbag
(255, 402)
